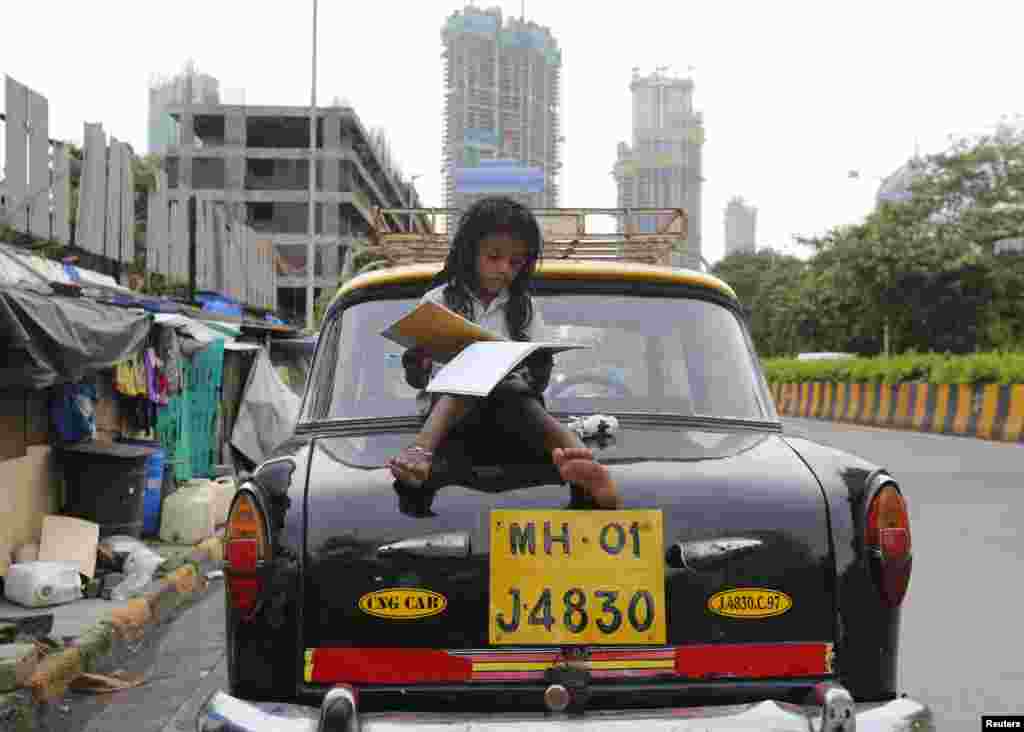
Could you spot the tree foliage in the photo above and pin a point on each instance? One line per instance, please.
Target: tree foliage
(925, 270)
(363, 260)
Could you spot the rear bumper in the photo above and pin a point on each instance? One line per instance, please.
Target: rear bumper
(225, 713)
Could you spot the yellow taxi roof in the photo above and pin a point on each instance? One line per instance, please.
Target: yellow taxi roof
(552, 270)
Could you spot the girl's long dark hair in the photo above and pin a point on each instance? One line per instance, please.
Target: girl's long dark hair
(487, 216)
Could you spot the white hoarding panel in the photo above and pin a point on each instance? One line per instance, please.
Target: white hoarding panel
(127, 206)
(38, 166)
(112, 208)
(92, 194)
(61, 194)
(16, 145)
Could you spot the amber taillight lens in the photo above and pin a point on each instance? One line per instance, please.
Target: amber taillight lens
(245, 549)
(887, 540)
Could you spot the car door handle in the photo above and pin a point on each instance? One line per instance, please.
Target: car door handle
(453, 544)
(707, 554)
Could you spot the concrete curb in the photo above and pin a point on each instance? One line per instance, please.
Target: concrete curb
(985, 411)
(23, 709)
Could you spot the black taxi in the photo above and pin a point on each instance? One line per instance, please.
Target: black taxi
(752, 579)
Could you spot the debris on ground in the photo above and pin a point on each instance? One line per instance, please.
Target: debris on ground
(17, 662)
(92, 683)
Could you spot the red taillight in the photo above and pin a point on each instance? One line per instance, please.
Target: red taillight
(887, 540)
(245, 549)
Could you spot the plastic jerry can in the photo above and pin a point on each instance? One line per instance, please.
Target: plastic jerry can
(188, 514)
(223, 492)
(40, 584)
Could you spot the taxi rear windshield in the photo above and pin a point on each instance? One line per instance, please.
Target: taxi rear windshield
(655, 355)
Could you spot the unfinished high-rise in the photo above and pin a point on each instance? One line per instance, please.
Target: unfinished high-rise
(662, 168)
(165, 92)
(502, 95)
(740, 227)
(255, 160)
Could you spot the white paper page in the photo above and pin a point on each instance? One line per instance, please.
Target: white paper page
(480, 366)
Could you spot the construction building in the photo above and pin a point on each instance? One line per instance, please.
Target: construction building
(501, 109)
(165, 92)
(740, 227)
(256, 159)
(662, 167)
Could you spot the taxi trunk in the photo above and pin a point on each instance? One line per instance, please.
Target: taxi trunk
(718, 567)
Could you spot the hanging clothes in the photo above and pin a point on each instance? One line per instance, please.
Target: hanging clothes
(123, 377)
(169, 351)
(73, 411)
(149, 364)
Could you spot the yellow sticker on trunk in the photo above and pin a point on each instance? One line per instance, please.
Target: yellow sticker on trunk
(403, 603)
(750, 603)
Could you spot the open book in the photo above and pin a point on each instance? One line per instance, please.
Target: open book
(475, 359)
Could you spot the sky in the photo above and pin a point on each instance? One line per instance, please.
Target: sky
(794, 94)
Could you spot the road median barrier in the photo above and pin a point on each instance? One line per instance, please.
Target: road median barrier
(43, 677)
(985, 411)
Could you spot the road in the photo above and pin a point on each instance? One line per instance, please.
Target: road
(961, 650)
(182, 662)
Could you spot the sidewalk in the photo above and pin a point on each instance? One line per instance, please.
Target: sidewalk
(85, 632)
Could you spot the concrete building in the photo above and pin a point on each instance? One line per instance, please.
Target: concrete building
(166, 92)
(895, 188)
(502, 103)
(257, 159)
(740, 227)
(663, 165)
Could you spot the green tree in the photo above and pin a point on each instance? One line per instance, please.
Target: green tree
(145, 172)
(921, 272)
(767, 284)
(364, 260)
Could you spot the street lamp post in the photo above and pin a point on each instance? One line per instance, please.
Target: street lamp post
(412, 201)
(311, 247)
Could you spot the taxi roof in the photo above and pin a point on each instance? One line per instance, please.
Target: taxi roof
(551, 270)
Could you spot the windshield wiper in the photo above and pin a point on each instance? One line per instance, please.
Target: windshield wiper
(661, 419)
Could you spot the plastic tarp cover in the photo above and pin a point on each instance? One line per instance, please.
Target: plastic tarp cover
(49, 340)
(267, 414)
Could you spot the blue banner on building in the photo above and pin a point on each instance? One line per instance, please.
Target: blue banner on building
(479, 23)
(491, 176)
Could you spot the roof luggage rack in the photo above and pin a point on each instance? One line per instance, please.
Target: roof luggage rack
(566, 235)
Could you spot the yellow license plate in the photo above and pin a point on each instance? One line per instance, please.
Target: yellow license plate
(577, 577)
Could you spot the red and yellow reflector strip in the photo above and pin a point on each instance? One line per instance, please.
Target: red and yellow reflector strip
(695, 662)
(754, 660)
(527, 666)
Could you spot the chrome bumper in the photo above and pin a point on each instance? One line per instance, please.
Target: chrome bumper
(339, 713)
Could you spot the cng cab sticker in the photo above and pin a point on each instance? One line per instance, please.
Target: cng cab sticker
(749, 602)
(403, 603)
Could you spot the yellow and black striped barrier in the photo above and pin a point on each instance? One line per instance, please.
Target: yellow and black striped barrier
(988, 411)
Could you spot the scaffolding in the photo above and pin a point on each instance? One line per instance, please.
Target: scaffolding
(569, 234)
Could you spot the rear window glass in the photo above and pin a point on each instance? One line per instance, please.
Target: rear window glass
(647, 354)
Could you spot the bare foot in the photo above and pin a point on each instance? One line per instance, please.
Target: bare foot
(577, 465)
(411, 466)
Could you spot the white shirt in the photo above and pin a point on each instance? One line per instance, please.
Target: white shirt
(492, 317)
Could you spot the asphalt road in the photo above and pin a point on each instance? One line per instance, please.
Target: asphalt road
(961, 651)
(961, 648)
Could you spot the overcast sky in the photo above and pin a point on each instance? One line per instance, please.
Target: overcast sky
(794, 94)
